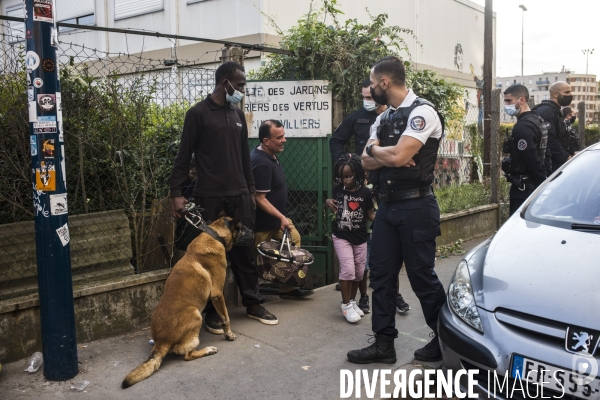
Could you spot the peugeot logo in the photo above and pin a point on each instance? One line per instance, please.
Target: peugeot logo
(581, 341)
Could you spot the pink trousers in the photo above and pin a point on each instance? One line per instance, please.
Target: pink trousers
(353, 258)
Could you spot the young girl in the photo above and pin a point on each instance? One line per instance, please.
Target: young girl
(352, 203)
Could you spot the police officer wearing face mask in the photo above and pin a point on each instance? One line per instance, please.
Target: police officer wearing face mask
(401, 156)
(527, 147)
(549, 110)
(358, 124)
(215, 131)
(570, 118)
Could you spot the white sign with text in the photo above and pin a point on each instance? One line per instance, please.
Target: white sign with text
(303, 107)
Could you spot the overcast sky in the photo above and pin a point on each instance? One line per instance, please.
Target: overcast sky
(556, 32)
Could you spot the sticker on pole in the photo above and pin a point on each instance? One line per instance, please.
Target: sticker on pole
(38, 82)
(32, 111)
(63, 234)
(45, 176)
(47, 102)
(42, 10)
(33, 145)
(32, 60)
(30, 94)
(58, 204)
(48, 148)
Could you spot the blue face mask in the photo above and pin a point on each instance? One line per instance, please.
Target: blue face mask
(236, 97)
(370, 105)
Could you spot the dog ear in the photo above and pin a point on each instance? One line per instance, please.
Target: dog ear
(221, 214)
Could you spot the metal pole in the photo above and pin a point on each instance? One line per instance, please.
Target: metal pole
(522, 7)
(488, 56)
(57, 316)
(587, 53)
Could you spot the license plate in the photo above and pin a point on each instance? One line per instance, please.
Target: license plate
(555, 378)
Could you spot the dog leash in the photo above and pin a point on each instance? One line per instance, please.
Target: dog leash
(194, 217)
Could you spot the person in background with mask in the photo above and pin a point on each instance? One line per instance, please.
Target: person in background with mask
(570, 118)
(528, 143)
(549, 110)
(358, 124)
(216, 132)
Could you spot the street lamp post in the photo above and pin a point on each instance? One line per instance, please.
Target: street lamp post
(522, 7)
(587, 53)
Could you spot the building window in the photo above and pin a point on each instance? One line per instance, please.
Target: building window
(16, 30)
(89, 20)
(75, 12)
(131, 8)
(556, 79)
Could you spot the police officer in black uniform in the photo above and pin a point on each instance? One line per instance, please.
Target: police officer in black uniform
(400, 156)
(527, 147)
(574, 142)
(549, 110)
(358, 124)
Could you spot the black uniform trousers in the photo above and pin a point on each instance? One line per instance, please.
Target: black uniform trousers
(405, 232)
(241, 209)
(517, 197)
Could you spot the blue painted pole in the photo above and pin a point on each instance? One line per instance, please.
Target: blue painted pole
(52, 239)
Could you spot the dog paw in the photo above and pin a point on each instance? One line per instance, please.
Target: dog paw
(211, 350)
(230, 336)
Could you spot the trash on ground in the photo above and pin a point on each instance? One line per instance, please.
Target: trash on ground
(151, 341)
(306, 367)
(257, 346)
(34, 363)
(83, 346)
(79, 386)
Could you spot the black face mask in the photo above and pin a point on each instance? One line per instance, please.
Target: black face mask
(564, 100)
(378, 98)
(573, 119)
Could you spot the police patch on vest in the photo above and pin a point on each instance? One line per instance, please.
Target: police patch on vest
(362, 121)
(417, 123)
(522, 145)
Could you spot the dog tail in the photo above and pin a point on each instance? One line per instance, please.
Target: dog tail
(148, 367)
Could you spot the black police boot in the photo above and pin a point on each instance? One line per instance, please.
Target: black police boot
(380, 351)
(431, 351)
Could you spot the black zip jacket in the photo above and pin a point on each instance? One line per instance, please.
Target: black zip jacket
(218, 137)
(358, 124)
(558, 137)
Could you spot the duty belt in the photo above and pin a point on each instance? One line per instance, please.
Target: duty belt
(399, 195)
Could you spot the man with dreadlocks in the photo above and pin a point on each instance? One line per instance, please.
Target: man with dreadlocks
(353, 203)
(401, 156)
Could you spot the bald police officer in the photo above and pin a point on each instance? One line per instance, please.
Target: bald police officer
(528, 143)
(401, 155)
(549, 110)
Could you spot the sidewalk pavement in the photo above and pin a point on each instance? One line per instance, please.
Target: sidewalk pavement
(300, 358)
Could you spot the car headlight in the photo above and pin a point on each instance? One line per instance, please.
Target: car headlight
(461, 298)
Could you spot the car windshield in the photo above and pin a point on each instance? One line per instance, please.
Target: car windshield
(572, 199)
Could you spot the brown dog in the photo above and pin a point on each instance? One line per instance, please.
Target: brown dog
(176, 322)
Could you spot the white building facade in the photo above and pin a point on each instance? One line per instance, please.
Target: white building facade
(584, 88)
(450, 32)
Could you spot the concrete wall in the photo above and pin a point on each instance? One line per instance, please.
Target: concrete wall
(469, 224)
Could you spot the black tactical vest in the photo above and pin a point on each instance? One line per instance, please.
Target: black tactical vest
(390, 129)
(541, 141)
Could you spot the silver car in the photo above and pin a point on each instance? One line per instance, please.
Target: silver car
(524, 306)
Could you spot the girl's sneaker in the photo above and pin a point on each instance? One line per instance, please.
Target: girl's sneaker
(350, 313)
(357, 308)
